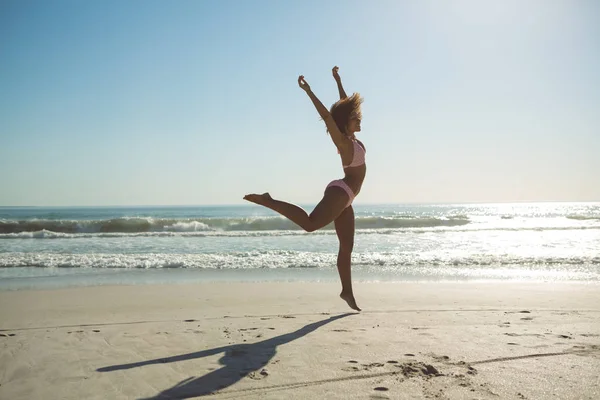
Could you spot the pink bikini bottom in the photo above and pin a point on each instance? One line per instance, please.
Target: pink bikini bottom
(343, 185)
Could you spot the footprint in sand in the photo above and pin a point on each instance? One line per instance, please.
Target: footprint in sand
(565, 337)
(256, 375)
(524, 334)
(351, 369)
(367, 366)
(413, 369)
(363, 367)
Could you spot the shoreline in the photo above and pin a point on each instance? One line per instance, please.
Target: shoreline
(64, 278)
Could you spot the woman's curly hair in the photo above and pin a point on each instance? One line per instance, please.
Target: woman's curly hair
(344, 109)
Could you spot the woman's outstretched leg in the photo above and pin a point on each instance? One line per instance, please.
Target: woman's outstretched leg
(325, 212)
(344, 227)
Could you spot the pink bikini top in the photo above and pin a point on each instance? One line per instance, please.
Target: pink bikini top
(359, 155)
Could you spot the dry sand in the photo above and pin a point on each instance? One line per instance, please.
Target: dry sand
(298, 341)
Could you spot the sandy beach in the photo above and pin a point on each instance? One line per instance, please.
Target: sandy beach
(298, 340)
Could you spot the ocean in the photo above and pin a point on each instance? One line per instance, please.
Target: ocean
(49, 247)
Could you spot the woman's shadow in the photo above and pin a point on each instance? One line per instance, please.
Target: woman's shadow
(238, 361)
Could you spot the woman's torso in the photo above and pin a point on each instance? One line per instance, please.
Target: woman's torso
(355, 167)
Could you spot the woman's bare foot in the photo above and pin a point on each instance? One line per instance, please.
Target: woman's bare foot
(260, 199)
(349, 298)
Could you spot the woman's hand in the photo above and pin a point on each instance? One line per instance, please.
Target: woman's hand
(303, 84)
(336, 76)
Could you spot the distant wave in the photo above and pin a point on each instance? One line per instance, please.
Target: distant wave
(273, 233)
(584, 217)
(43, 228)
(278, 259)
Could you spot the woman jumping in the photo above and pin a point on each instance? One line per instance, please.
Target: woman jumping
(342, 121)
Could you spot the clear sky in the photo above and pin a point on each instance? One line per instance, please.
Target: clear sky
(196, 102)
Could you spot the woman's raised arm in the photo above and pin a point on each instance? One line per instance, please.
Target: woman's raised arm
(336, 135)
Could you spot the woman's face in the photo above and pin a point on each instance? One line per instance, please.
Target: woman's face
(353, 125)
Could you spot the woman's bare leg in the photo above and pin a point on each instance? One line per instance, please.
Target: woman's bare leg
(344, 227)
(325, 212)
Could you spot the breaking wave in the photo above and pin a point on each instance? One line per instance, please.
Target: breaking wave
(277, 259)
(584, 217)
(45, 228)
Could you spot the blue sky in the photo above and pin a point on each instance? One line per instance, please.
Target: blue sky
(196, 102)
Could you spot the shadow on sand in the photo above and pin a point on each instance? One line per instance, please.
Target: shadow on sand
(238, 361)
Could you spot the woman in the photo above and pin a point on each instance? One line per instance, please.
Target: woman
(342, 121)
